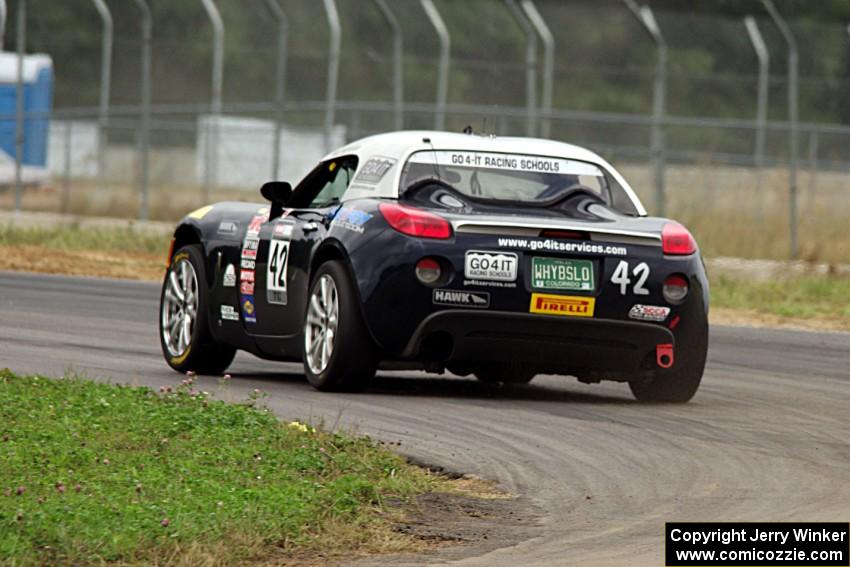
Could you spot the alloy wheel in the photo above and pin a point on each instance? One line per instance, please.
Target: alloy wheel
(321, 324)
(179, 307)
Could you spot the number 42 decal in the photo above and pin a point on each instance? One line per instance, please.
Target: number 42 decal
(276, 273)
(621, 277)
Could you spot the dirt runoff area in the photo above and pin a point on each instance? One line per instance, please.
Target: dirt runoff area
(105, 264)
(470, 523)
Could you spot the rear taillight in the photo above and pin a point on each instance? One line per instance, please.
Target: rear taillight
(675, 288)
(415, 222)
(676, 240)
(428, 271)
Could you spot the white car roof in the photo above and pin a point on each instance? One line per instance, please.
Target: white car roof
(398, 146)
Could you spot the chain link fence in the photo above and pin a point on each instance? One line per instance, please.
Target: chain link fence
(288, 97)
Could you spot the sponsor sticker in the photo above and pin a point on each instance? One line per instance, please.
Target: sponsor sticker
(569, 246)
(487, 283)
(229, 279)
(283, 230)
(351, 219)
(479, 299)
(248, 311)
(655, 313)
(493, 266)
(229, 313)
(255, 225)
(248, 264)
(567, 305)
(562, 274)
(276, 271)
(374, 170)
(228, 227)
(246, 275)
(275, 296)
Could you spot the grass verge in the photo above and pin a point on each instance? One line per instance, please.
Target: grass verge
(74, 238)
(817, 302)
(93, 473)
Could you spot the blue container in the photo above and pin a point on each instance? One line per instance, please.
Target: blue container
(38, 102)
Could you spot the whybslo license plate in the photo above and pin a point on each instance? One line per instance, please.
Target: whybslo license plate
(562, 274)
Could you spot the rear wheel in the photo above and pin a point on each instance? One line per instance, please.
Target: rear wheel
(679, 383)
(184, 333)
(338, 352)
(506, 373)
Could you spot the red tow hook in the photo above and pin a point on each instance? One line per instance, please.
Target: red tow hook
(664, 355)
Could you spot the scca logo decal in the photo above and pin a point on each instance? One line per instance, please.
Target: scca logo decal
(567, 305)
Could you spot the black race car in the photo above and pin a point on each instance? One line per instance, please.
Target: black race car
(498, 257)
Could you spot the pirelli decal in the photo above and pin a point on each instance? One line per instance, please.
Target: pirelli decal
(567, 305)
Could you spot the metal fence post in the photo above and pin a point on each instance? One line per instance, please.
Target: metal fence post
(548, 41)
(793, 118)
(105, 83)
(2, 23)
(66, 179)
(280, 81)
(144, 133)
(761, 105)
(659, 99)
(215, 104)
(530, 66)
(20, 44)
(335, 43)
(398, 63)
(443, 67)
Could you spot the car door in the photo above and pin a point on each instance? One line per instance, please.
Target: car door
(286, 244)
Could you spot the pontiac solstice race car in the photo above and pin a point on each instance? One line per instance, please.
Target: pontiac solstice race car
(498, 257)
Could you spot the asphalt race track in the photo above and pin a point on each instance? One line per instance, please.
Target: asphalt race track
(766, 438)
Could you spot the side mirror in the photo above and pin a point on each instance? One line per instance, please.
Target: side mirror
(278, 193)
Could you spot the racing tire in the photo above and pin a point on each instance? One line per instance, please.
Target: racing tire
(505, 373)
(337, 350)
(678, 384)
(184, 332)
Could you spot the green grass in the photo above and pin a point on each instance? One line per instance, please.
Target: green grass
(810, 297)
(76, 238)
(93, 473)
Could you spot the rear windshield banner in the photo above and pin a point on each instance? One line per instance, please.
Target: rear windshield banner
(509, 162)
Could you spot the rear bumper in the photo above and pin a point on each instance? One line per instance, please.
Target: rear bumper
(546, 343)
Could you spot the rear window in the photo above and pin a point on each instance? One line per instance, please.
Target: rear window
(510, 177)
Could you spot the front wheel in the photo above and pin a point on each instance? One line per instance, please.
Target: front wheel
(184, 333)
(338, 353)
